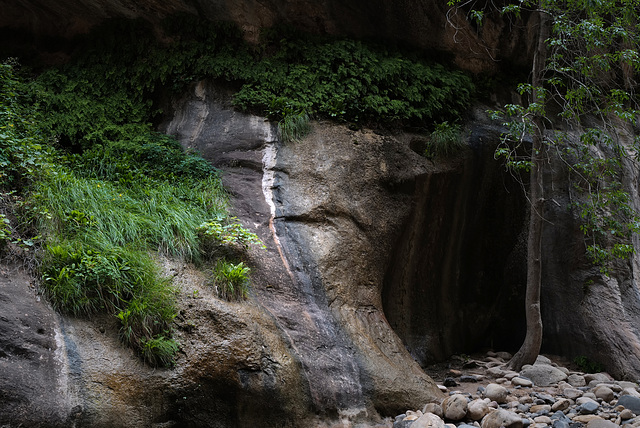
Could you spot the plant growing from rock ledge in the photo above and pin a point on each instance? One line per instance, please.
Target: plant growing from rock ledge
(445, 140)
(225, 233)
(5, 229)
(231, 279)
(226, 239)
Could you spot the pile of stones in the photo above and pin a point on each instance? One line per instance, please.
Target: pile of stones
(540, 395)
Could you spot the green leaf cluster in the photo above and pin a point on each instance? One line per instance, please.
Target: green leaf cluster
(352, 81)
(228, 240)
(5, 230)
(289, 77)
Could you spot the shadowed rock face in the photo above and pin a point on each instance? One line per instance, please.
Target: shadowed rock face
(458, 270)
(584, 312)
(424, 24)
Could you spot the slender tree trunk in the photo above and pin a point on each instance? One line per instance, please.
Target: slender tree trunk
(533, 340)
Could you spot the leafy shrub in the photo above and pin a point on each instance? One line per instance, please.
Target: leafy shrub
(23, 150)
(349, 80)
(232, 279)
(289, 78)
(226, 232)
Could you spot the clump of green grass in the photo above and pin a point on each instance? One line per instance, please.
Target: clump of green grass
(98, 235)
(231, 279)
(294, 127)
(160, 216)
(445, 140)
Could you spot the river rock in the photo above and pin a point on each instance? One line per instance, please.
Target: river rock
(428, 420)
(520, 381)
(600, 377)
(561, 404)
(540, 408)
(412, 416)
(576, 380)
(604, 392)
(546, 420)
(497, 393)
(502, 418)
(626, 384)
(572, 393)
(584, 419)
(601, 423)
(559, 424)
(543, 374)
(455, 407)
(434, 408)
(584, 399)
(509, 374)
(478, 409)
(495, 372)
(559, 415)
(589, 408)
(630, 402)
(627, 414)
(541, 359)
(630, 391)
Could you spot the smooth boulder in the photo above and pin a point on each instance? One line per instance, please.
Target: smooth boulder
(455, 407)
(543, 374)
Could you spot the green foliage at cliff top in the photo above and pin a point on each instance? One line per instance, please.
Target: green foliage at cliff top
(286, 75)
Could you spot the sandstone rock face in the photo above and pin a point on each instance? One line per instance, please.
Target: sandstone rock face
(62, 372)
(32, 383)
(584, 312)
(460, 257)
(311, 204)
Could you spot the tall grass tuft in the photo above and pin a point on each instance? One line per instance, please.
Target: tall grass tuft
(446, 140)
(294, 127)
(98, 236)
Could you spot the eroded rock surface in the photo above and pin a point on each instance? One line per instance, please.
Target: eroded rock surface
(326, 252)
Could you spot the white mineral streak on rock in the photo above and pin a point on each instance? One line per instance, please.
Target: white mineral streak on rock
(269, 157)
